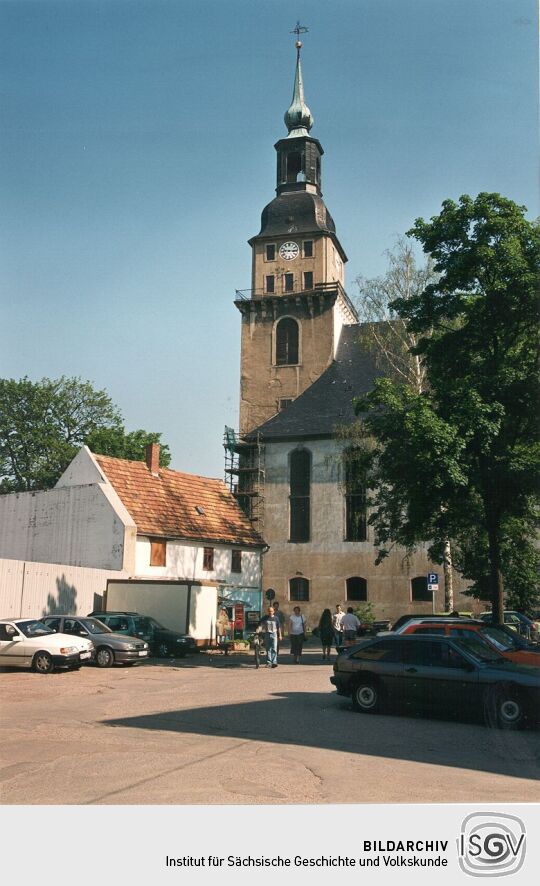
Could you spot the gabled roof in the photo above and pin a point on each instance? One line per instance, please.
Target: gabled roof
(177, 505)
(327, 403)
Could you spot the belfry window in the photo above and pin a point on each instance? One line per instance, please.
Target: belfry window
(294, 167)
(299, 497)
(355, 498)
(287, 342)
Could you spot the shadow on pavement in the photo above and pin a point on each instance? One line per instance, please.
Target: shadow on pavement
(312, 719)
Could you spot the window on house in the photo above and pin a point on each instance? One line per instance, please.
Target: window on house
(308, 279)
(299, 590)
(357, 588)
(355, 498)
(419, 591)
(208, 560)
(158, 552)
(270, 251)
(287, 342)
(288, 283)
(236, 561)
(270, 283)
(284, 403)
(308, 248)
(299, 497)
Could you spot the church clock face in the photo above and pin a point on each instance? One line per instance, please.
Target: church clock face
(289, 250)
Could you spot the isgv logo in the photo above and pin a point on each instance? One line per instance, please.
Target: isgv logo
(491, 844)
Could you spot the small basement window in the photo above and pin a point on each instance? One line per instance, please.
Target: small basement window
(208, 560)
(158, 552)
(236, 561)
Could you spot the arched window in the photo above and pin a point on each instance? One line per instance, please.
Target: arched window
(355, 497)
(419, 590)
(357, 588)
(299, 496)
(299, 590)
(287, 342)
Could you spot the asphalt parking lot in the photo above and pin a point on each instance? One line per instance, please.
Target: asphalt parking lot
(213, 729)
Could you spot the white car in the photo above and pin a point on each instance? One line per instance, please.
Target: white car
(28, 643)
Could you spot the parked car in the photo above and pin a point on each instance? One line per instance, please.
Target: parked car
(109, 648)
(518, 622)
(28, 643)
(162, 641)
(403, 619)
(438, 673)
(497, 637)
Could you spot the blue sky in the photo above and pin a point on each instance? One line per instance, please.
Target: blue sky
(137, 154)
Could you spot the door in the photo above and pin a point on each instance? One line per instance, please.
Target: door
(11, 651)
(437, 676)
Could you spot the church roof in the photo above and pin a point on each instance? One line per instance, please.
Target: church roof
(327, 403)
(300, 210)
(172, 504)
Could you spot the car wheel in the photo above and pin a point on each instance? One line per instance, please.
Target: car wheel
(366, 697)
(42, 663)
(162, 650)
(104, 657)
(504, 708)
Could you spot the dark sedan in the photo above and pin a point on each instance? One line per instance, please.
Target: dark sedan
(163, 642)
(438, 673)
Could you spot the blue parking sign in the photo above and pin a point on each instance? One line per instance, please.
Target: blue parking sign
(433, 578)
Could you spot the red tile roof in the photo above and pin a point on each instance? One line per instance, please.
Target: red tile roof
(166, 505)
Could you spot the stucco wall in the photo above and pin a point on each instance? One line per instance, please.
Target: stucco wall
(186, 561)
(327, 560)
(73, 525)
(31, 590)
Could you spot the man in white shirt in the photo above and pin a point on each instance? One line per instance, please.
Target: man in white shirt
(337, 619)
(349, 625)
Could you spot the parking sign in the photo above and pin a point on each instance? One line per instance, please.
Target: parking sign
(433, 578)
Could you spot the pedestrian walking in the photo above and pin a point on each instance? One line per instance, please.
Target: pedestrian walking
(272, 635)
(337, 619)
(297, 634)
(281, 618)
(326, 633)
(349, 625)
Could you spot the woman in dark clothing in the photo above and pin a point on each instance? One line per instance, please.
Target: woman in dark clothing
(326, 633)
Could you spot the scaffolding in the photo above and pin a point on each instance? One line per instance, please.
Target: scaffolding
(244, 474)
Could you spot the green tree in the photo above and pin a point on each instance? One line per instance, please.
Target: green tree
(470, 441)
(44, 423)
(131, 445)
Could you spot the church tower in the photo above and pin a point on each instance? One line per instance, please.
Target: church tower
(293, 314)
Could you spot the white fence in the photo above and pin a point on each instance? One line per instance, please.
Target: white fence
(31, 590)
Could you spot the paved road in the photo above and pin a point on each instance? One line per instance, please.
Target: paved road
(212, 729)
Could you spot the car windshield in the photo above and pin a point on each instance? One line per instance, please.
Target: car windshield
(479, 649)
(94, 626)
(33, 628)
(501, 639)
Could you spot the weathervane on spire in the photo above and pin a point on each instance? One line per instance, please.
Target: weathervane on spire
(299, 29)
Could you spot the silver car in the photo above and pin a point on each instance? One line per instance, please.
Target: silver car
(109, 648)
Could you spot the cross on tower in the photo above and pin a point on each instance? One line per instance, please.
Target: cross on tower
(299, 29)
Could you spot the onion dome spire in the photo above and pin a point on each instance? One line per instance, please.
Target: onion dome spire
(298, 118)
